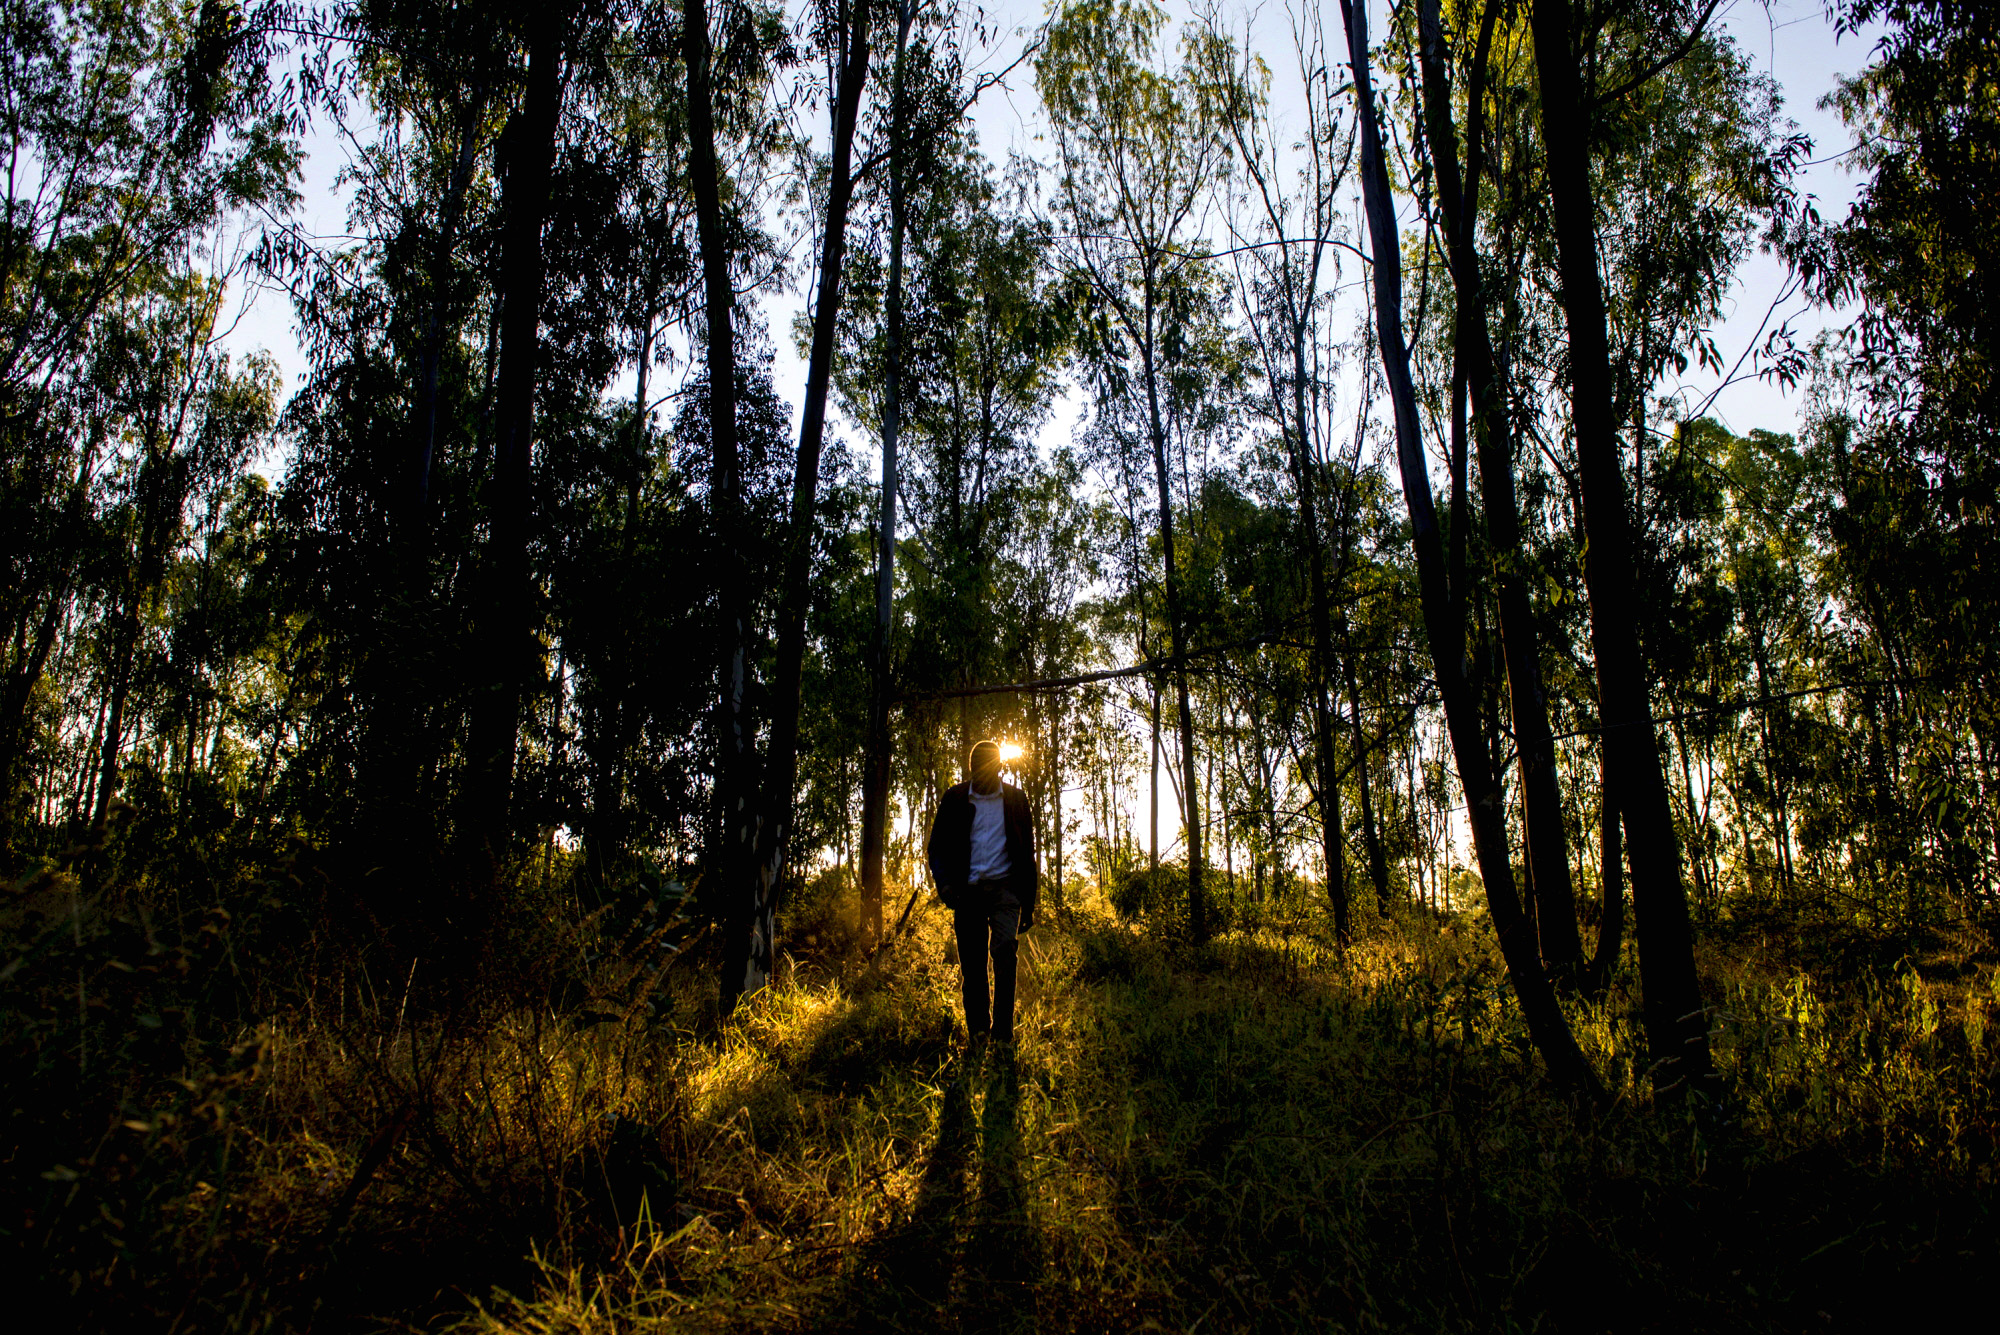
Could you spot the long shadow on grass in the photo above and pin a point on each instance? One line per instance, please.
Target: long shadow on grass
(965, 1253)
(1003, 1252)
(901, 1278)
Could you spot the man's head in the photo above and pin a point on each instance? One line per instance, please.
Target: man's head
(983, 765)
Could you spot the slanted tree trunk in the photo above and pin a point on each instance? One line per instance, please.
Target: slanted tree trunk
(1676, 1024)
(1547, 845)
(765, 825)
(1485, 811)
(528, 152)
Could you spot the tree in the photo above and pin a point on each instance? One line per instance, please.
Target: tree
(1442, 606)
(1136, 148)
(1676, 1022)
(1285, 253)
(135, 136)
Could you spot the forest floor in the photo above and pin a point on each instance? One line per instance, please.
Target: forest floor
(1253, 1134)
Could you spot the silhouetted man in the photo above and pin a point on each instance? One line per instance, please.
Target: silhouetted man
(982, 857)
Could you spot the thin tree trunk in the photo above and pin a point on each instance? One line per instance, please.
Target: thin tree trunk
(424, 451)
(876, 758)
(114, 721)
(1305, 477)
(1371, 834)
(15, 707)
(529, 152)
(1611, 875)
(767, 822)
(1676, 1023)
(732, 856)
(1546, 843)
(143, 577)
(1484, 809)
(1054, 762)
(1153, 793)
(1198, 926)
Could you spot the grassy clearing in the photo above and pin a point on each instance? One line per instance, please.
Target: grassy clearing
(1257, 1134)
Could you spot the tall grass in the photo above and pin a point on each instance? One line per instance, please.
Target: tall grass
(1262, 1133)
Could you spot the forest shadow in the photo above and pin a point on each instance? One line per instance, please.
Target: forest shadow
(1368, 1142)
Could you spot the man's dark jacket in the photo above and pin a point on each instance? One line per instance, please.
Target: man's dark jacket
(950, 851)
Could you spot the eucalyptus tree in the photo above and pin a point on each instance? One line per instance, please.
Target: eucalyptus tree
(1443, 606)
(922, 128)
(1479, 373)
(1589, 77)
(1906, 438)
(1286, 216)
(1137, 149)
(978, 339)
(754, 792)
(134, 134)
(1044, 567)
(528, 147)
(186, 422)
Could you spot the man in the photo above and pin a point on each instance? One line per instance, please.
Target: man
(982, 857)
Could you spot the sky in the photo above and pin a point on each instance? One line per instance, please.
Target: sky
(1790, 39)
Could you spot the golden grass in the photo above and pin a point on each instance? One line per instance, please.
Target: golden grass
(1259, 1133)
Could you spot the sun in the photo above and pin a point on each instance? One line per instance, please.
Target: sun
(1009, 751)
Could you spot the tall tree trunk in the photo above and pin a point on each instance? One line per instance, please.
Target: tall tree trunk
(26, 673)
(1546, 841)
(1676, 1023)
(143, 579)
(605, 832)
(127, 635)
(1305, 478)
(423, 450)
(529, 152)
(1198, 926)
(765, 828)
(1484, 809)
(876, 759)
(732, 854)
(1153, 792)
(1053, 759)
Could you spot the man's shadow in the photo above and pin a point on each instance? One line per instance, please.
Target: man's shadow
(1003, 1249)
(966, 1250)
(904, 1276)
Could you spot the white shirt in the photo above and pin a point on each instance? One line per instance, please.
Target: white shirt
(989, 836)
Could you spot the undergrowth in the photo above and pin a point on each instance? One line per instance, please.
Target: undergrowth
(1259, 1133)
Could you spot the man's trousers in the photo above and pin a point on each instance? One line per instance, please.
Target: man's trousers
(989, 922)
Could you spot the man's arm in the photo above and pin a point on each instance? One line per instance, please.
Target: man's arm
(1030, 878)
(934, 851)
